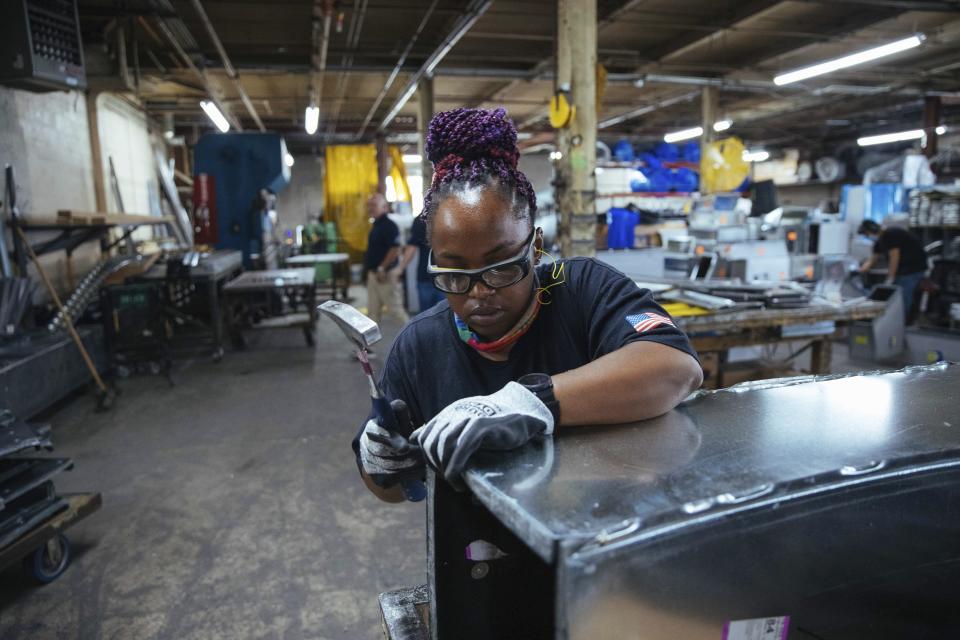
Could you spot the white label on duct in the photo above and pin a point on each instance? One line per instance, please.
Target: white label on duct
(757, 629)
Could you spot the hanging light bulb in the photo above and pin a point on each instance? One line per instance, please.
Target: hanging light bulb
(311, 119)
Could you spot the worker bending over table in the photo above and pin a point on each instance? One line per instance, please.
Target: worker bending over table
(523, 343)
(906, 258)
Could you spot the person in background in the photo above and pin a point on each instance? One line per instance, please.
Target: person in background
(383, 272)
(428, 294)
(906, 258)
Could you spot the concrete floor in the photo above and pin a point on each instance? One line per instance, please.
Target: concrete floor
(232, 506)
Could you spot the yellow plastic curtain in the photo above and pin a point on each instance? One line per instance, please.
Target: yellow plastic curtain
(399, 174)
(349, 180)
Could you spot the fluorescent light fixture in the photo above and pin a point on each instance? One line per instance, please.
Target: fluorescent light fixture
(288, 159)
(941, 130)
(722, 125)
(755, 155)
(214, 114)
(685, 134)
(886, 138)
(412, 158)
(311, 119)
(850, 60)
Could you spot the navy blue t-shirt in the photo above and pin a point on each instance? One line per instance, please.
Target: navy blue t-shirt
(418, 238)
(592, 310)
(384, 234)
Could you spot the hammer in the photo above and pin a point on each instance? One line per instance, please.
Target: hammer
(363, 333)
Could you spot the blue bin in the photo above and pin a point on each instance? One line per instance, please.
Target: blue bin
(621, 229)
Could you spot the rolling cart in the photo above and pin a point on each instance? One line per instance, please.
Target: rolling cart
(33, 517)
(44, 550)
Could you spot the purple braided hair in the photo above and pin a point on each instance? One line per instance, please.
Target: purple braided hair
(472, 147)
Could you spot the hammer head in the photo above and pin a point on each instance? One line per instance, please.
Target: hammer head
(359, 329)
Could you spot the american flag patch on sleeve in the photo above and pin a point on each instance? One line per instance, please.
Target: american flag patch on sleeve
(643, 322)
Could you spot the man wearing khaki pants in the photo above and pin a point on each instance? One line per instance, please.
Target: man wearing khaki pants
(383, 273)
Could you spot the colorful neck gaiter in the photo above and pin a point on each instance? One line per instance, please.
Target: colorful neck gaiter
(522, 326)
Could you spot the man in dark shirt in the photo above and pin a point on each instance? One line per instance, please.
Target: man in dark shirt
(418, 245)
(380, 263)
(906, 258)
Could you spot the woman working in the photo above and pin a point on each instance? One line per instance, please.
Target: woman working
(522, 345)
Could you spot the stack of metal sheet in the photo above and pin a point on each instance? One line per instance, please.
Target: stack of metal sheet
(27, 494)
(719, 296)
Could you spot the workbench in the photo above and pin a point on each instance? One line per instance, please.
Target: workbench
(340, 269)
(826, 506)
(193, 296)
(720, 332)
(272, 299)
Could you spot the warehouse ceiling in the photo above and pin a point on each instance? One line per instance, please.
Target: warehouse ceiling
(657, 53)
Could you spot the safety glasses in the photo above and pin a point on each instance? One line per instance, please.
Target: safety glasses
(496, 276)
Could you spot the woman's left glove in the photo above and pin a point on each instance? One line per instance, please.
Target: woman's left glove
(501, 421)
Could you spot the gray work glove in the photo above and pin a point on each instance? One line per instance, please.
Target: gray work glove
(501, 421)
(387, 457)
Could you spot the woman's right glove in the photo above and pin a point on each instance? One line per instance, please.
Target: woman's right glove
(387, 457)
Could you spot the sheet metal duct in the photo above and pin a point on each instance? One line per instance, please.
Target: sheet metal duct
(825, 504)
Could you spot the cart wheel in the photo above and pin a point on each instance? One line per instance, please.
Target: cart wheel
(49, 561)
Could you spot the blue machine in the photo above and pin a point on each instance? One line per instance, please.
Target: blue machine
(242, 165)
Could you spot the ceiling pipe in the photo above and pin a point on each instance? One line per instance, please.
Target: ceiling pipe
(471, 14)
(648, 108)
(346, 61)
(320, 41)
(227, 65)
(168, 34)
(396, 69)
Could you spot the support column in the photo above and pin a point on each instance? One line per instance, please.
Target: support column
(931, 120)
(93, 127)
(382, 159)
(577, 142)
(708, 113)
(424, 115)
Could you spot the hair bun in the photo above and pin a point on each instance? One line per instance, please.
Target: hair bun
(471, 134)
